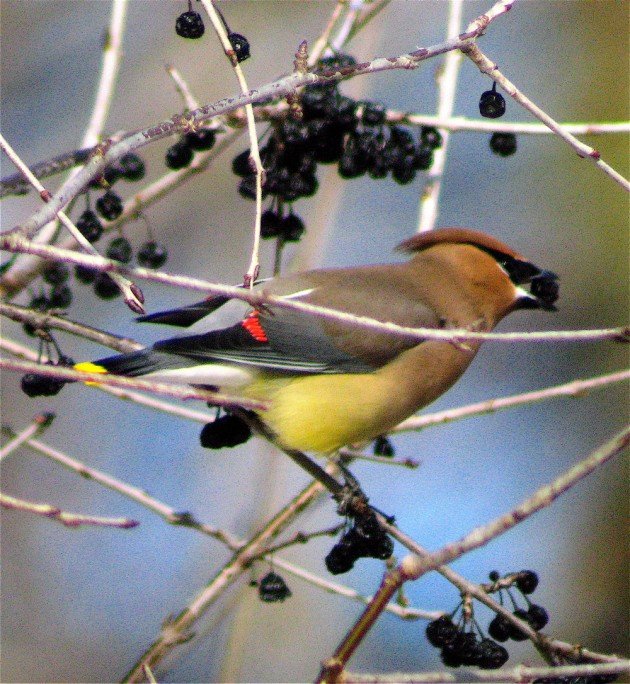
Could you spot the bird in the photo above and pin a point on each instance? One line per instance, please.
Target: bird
(327, 383)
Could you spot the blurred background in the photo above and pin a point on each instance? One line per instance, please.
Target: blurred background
(82, 605)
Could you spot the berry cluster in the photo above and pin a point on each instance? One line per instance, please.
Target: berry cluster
(273, 588)
(492, 106)
(526, 581)
(365, 539)
(462, 646)
(57, 296)
(181, 153)
(35, 385)
(224, 431)
(151, 254)
(463, 643)
(327, 128)
(276, 223)
(109, 206)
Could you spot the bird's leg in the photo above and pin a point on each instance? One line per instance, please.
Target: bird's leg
(354, 502)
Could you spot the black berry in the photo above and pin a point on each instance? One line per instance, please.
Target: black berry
(383, 447)
(203, 139)
(131, 167)
(35, 385)
(292, 228)
(500, 628)
(340, 559)
(490, 655)
(270, 224)
(105, 287)
(503, 144)
(515, 632)
(90, 226)
(240, 164)
(109, 206)
(56, 274)
(537, 616)
(423, 157)
(272, 588)
(225, 431)
(119, 249)
(178, 155)
(189, 25)
(431, 137)
(152, 254)
(373, 113)
(527, 581)
(60, 297)
(404, 170)
(240, 45)
(40, 303)
(84, 274)
(491, 103)
(442, 631)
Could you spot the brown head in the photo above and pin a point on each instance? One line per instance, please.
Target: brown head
(484, 269)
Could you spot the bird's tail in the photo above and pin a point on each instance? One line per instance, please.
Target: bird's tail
(132, 365)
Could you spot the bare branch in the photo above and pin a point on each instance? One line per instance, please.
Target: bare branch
(14, 242)
(65, 518)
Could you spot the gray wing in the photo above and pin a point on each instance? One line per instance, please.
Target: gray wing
(285, 340)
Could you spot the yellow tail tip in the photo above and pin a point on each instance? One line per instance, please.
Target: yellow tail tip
(89, 367)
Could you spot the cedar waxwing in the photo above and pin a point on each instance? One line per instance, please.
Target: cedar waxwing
(327, 383)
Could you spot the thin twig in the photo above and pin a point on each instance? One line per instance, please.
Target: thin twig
(254, 152)
(272, 91)
(446, 79)
(64, 517)
(190, 100)
(22, 273)
(37, 427)
(342, 36)
(575, 388)
(44, 320)
(321, 44)
(132, 295)
(170, 515)
(347, 592)
(126, 395)
(486, 66)
(520, 674)
(169, 390)
(368, 14)
(110, 66)
(15, 242)
(415, 566)
(177, 630)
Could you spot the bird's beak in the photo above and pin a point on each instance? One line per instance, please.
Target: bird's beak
(543, 292)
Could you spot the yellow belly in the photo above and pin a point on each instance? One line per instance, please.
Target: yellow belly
(323, 413)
